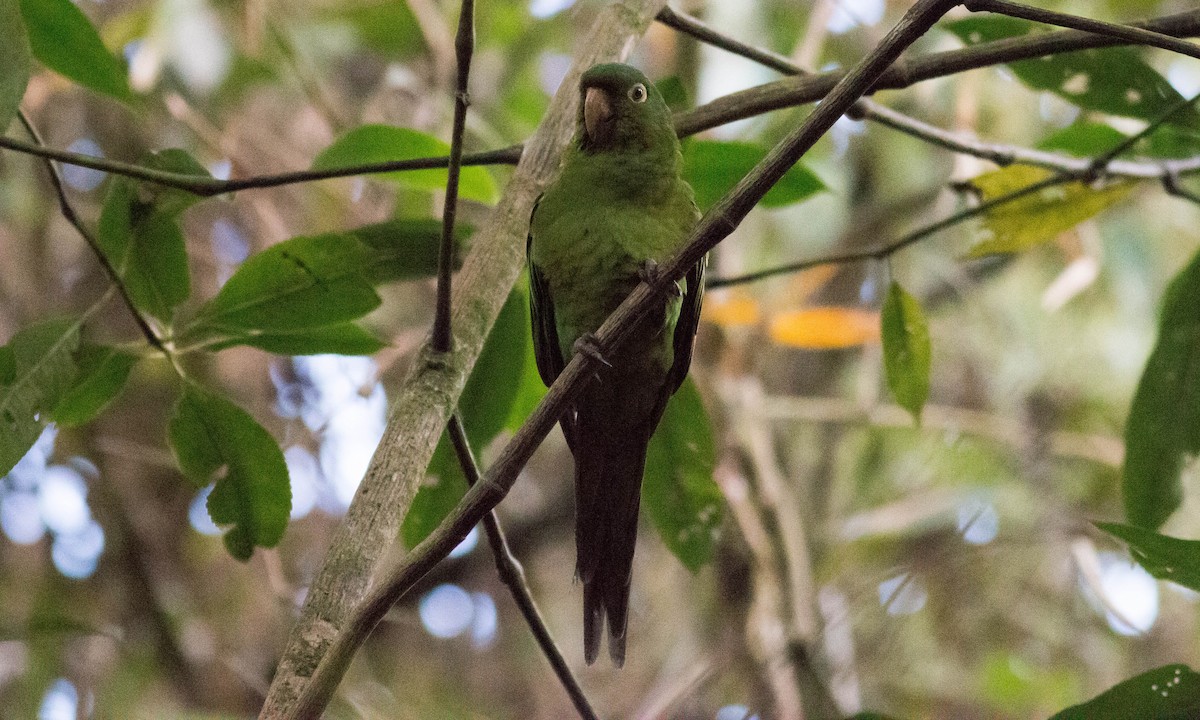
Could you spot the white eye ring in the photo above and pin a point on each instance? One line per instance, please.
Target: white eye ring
(637, 93)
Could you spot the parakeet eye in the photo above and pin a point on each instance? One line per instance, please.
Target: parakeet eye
(637, 93)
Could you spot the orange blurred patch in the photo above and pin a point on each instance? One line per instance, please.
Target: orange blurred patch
(825, 328)
(733, 308)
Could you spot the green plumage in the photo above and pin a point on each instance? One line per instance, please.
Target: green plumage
(618, 203)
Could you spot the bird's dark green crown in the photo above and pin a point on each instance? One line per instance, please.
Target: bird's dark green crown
(620, 110)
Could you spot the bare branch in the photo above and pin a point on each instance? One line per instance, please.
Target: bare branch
(1129, 33)
(92, 241)
(464, 46)
(883, 250)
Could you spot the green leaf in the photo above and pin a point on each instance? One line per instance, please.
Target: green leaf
(1040, 217)
(1111, 80)
(713, 167)
(407, 249)
(64, 40)
(1171, 692)
(140, 235)
(383, 143)
(302, 283)
(43, 365)
(386, 27)
(8, 365)
(342, 339)
(485, 405)
(214, 439)
(1163, 429)
(103, 371)
(14, 61)
(1084, 139)
(906, 350)
(1089, 139)
(1166, 558)
(679, 493)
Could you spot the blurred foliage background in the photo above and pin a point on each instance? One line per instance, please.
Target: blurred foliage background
(940, 569)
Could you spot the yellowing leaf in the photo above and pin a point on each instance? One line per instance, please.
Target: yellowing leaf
(736, 308)
(1042, 216)
(825, 328)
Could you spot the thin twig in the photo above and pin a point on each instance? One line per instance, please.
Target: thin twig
(907, 72)
(1068, 167)
(396, 579)
(1101, 162)
(1128, 33)
(1001, 154)
(464, 48)
(513, 576)
(92, 241)
(205, 186)
(883, 250)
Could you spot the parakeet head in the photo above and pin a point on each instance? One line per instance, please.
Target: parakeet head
(621, 111)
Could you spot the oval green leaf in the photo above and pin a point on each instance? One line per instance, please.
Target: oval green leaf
(407, 248)
(302, 283)
(906, 349)
(679, 493)
(1040, 217)
(382, 143)
(213, 439)
(341, 339)
(1163, 429)
(103, 371)
(63, 39)
(1111, 80)
(1166, 558)
(713, 167)
(1171, 692)
(43, 366)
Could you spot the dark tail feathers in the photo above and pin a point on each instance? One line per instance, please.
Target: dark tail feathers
(609, 461)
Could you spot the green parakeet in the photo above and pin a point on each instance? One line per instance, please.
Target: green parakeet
(618, 207)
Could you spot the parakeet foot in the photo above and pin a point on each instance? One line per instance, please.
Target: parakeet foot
(588, 345)
(649, 274)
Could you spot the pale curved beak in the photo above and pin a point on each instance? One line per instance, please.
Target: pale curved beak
(597, 112)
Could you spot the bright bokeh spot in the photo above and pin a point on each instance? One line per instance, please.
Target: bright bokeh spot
(902, 595)
(77, 554)
(447, 611)
(825, 328)
(198, 514)
(62, 500)
(81, 178)
(1131, 591)
(733, 308)
(485, 621)
(848, 14)
(60, 701)
(20, 518)
(467, 545)
(978, 522)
